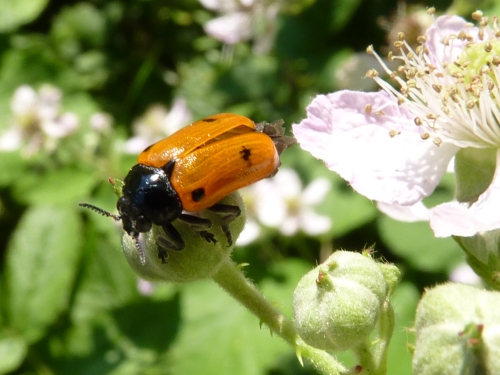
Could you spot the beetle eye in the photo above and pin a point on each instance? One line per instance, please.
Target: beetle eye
(142, 224)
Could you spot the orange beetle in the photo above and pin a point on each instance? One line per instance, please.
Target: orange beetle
(192, 170)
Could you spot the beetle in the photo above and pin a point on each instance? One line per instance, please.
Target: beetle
(192, 170)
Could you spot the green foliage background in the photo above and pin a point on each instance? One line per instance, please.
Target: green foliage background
(69, 303)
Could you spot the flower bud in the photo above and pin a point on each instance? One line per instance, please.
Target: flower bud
(458, 331)
(198, 260)
(337, 304)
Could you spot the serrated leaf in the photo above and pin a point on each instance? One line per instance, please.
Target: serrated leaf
(415, 242)
(13, 350)
(19, 12)
(42, 259)
(220, 337)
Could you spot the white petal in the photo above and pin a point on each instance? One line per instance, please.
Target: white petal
(10, 140)
(270, 207)
(443, 27)
(230, 29)
(224, 6)
(316, 191)
(24, 100)
(135, 145)
(401, 169)
(314, 224)
(287, 184)
(249, 234)
(415, 212)
(457, 219)
(177, 117)
(61, 126)
(290, 226)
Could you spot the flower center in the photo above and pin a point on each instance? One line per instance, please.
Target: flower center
(451, 84)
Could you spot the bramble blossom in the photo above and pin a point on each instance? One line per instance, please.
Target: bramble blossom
(157, 122)
(243, 20)
(37, 122)
(280, 202)
(394, 146)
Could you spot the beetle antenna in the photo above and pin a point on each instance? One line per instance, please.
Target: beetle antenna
(100, 211)
(140, 251)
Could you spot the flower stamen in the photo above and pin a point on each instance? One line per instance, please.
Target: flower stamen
(463, 68)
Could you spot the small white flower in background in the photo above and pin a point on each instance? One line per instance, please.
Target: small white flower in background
(101, 122)
(157, 123)
(395, 145)
(243, 20)
(37, 122)
(280, 202)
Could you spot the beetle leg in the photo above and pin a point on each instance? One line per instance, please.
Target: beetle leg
(199, 225)
(229, 213)
(171, 241)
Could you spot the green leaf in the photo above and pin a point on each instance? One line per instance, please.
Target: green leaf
(107, 280)
(19, 12)
(12, 167)
(404, 301)
(281, 280)
(342, 12)
(220, 337)
(415, 242)
(42, 259)
(57, 186)
(348, 211)
(13, 350)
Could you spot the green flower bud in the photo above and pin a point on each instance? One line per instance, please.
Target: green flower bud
(198, 260)
(458, 331)
(337, 304)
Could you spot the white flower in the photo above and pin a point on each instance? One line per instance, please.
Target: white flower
(279, 202)
(157, 123)
(395, 145)
(37, 122)
(243, 20)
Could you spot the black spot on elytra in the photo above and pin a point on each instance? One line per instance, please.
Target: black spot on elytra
(245, 153)
(198, 194)
(147, 148)
(209, 119)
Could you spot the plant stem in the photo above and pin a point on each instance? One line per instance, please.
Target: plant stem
(233, 281)
(373, 361)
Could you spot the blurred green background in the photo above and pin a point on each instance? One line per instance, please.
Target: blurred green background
(89, 71)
